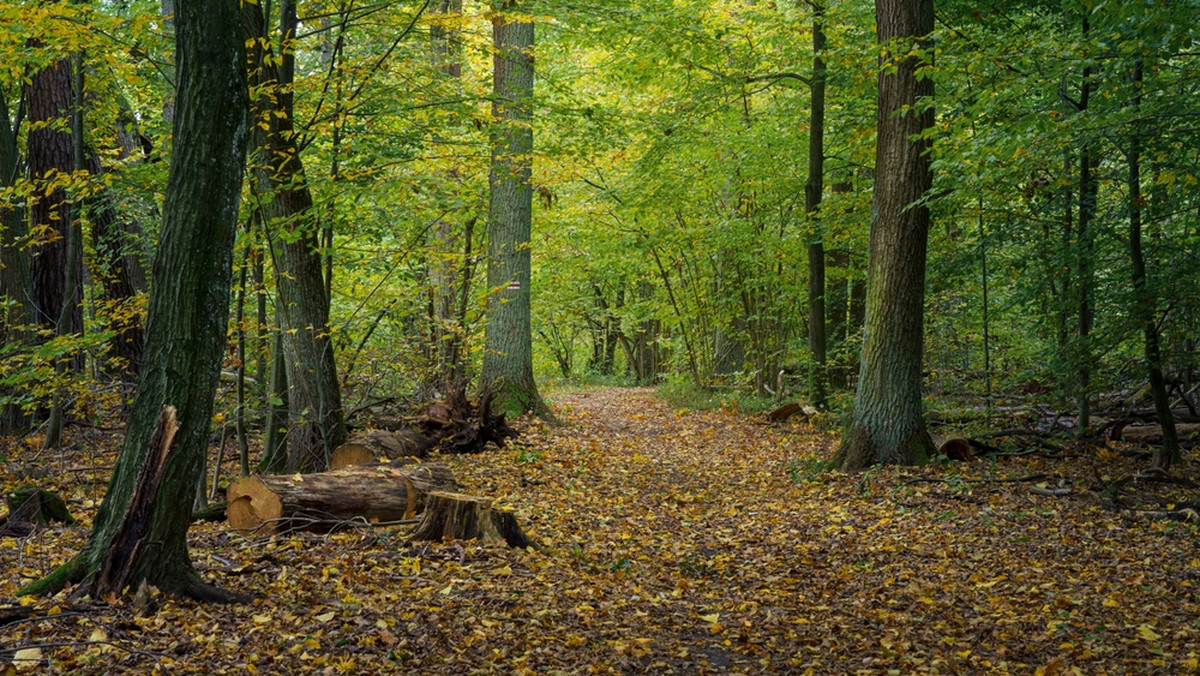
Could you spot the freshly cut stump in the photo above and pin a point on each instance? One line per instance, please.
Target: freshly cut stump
(467, 517)
(377, 445)
(344, 498)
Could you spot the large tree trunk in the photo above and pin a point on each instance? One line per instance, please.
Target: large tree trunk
(887, 427)
(508, 356)
(818, 377)
(342, 498)
(189, 306)
(51, 157)
(316, 422)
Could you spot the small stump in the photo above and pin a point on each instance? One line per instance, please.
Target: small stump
(467, 517)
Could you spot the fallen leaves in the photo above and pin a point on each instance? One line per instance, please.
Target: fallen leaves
(675, 541)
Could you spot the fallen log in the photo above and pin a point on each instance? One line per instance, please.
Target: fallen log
(1151, 435)
(453, 425)
(343, 498)
(468, 517)
(378, 445)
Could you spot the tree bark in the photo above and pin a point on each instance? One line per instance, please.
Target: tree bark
(1144, 298)
(818, 379)
(274, 503)
(508, 356)
(189, 306)
(887, 427)
(51, 156)
(16, 284)
(467, 517)
(316, 424)
(379, 445)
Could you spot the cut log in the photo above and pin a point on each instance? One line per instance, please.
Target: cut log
(343, 498)
(378, 445)
(788, 410)
(954, 448)
(468, 517)
(1151, 435)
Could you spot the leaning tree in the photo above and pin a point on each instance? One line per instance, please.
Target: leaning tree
(887, 427)
(141, 527)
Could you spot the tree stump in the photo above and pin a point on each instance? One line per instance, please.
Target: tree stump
(27, 504)
(343, 498)
(377, 445)
(954, 448)
(468, 517)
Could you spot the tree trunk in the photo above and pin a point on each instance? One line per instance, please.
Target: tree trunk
(51, 158)
(189, 306)
(887, 427)
(16, 285)
(274, 503)
(316, 425)
(1144, 298)
(1089, 186)
(508, 356)
(118, 242)
(379, 445)
(818, 378)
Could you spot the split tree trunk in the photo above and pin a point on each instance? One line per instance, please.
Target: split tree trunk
(272, 503)
(189, 308)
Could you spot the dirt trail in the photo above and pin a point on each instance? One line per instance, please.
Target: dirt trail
(677, 542)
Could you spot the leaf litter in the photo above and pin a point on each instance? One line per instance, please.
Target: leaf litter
(673, 541)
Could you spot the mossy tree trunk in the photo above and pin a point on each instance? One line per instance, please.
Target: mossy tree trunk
(508, 357)
(887, 427)
(189, 305)
(316, 424)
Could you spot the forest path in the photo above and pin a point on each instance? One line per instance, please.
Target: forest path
(678, 541)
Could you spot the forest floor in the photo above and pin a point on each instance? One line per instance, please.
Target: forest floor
(675, 541)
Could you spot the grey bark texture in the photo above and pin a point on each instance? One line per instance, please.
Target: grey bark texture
(316, 424)
(508, 357)
(887, 427)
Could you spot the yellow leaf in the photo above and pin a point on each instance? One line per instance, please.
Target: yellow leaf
(711, 619)
(27, 658)
(297, 478)
(1147, 633)
(261, 619)
(503, 572)
(1110, 603)
(325, 617)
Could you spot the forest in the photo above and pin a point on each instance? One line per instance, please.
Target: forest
(600, 336)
